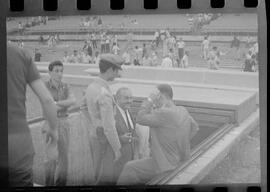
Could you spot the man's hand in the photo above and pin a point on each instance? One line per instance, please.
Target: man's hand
(51, 143)
(117, 155)
(126, 137)
(51, 136)
(155, 95)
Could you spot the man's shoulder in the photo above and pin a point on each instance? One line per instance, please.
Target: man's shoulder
(12, 48)
(97, 88)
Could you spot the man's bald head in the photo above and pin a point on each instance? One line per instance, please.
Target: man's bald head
(124, 98)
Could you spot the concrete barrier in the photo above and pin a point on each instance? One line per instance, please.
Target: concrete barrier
(194, 75)
(69, 68)
(234, 80)
(242, 102)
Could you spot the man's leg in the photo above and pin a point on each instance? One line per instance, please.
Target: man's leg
(49, 165)
(63, 144)
(138, 172)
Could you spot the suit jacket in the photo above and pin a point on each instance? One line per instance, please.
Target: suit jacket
(171, 129)
(128, 150)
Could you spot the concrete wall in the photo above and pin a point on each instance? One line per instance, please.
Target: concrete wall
(69, 68)
(230, 80)
(243, 102)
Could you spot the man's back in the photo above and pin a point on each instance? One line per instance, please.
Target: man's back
(172, 136)
(20, 72)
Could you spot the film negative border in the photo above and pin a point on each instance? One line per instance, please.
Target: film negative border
(67, 7)
(70, 7)
(52, 5)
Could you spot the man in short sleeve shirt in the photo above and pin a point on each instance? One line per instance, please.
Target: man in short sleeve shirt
(21, 71)
(64, 99)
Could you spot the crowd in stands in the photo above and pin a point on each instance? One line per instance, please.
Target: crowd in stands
(165, 50)
(33, 21)
(173, 53)
(197, 21)
(251, 58)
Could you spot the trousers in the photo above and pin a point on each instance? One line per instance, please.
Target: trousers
(138, 172)
(56, 170)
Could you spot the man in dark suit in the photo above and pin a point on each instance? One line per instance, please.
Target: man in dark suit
(126, 129)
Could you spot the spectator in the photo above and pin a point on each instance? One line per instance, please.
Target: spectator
(66, 58)
(107, 44)
(167, 62)
(85, 57)
(154, 59)
(146, 61)
(75, 58)
(96, 58)
(212, 59)
(41, 39)
(127, 57)
(88, 48)
(20, 27)
(102, 43)
(144, 50)
(129, 39)
(99, 21)
(184, 63)
(94, 40)
(37, 55)
(205, 47)
(21, 43)
(115, 49)
(181, 48)
(235, 43)
(156, 37)
(248, 65)
(137, 55)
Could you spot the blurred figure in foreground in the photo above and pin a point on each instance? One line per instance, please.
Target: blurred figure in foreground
(21, 71)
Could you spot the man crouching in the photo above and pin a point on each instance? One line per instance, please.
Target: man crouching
(171, 129)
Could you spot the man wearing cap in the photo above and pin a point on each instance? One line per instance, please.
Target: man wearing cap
(104, 141)
(171, 128)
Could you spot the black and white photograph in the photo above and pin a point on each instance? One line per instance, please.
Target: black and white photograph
(133, 99)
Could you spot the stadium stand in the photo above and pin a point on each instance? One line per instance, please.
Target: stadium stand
(232, 24)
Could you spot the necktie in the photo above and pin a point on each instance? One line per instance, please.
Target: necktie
(128, 122)
(130, 130)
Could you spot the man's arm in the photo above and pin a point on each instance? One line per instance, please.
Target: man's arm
(71, 100)
(194, 128)
(49, 108)
(108, 122)
(146, 117)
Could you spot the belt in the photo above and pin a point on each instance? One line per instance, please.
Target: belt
(62, 115)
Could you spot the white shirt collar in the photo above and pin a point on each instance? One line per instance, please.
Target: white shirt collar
(124, 116)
